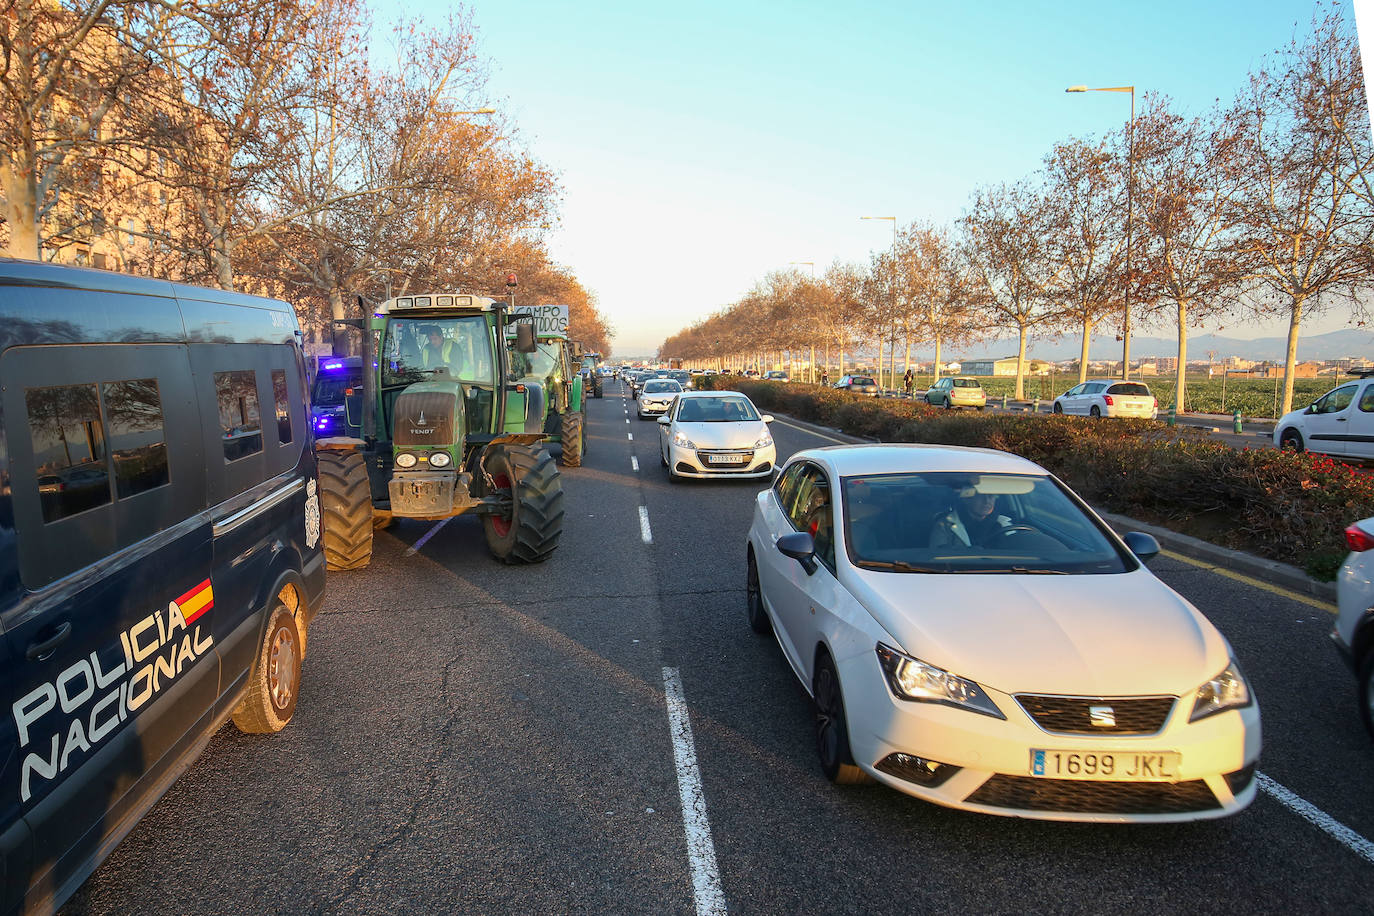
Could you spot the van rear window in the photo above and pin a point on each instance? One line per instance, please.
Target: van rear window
(240, 417)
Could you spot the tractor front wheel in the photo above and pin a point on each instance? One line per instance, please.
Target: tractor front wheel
(346, 507)
(529, 530)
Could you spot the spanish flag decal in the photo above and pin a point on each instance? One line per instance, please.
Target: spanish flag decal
(196, 602)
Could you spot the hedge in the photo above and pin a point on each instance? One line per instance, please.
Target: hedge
(1290, 507)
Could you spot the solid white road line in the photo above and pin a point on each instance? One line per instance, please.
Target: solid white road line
(701, 852)
(1317, 817)
(812, 432)
(424, 539)
(634, 462)
(645, 534)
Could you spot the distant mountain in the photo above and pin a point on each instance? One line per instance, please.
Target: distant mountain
(1332, 345)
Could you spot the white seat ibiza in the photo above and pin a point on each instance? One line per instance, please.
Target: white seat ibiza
(974, 635)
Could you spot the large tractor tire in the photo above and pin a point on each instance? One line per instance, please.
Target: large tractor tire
(573, 431)
(530, 533)
(346, 504)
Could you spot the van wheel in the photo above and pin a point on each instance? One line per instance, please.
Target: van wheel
(275, 681)
(572, 428)
(529, 531)
(346, 504)
(1291, 440)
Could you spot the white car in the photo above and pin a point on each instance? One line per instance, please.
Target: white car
(1340, 422)
(973, 635)
(715, 434)
(1104, 397)
(657, 396)
(1353, 633)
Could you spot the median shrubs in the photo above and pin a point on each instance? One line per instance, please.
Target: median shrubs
(1286, 506)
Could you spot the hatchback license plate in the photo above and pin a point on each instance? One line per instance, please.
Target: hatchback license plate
(725, 459)
(1159, 766)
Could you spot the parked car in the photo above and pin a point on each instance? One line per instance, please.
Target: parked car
(715, 433)
(657, 396)
(1340, 422)
(162, 543)
(1053, 676)
(1106, 397)
(957, 392)
(776, 375)
(858, 384)
(1353, 632)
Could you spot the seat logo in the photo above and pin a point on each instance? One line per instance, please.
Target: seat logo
(1102, 716)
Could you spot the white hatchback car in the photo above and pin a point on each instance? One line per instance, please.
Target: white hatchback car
(973, 635)
(715, 434)
(657, 396)
(1353, 632)
(1340, 422)
(1104, 397)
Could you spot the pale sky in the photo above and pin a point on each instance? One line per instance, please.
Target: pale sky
(701, 146)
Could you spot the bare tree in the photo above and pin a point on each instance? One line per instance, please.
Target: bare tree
(1305, 225)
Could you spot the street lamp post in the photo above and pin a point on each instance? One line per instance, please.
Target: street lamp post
(1130, 199)
(894, 296)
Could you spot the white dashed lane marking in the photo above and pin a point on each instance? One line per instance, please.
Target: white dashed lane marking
(645, 534)
(634, 462)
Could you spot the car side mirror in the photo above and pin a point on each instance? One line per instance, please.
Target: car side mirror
(801, 547)
(1311, 408)
(1143, 545)
(664, 421)
(767, 418)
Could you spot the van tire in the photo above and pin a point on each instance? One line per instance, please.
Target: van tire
(573, 432)
(346, 504)
(274, 684)
(530, 533)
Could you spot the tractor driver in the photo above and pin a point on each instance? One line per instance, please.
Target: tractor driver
(439, 352)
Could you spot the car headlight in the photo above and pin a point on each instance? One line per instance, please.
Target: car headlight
(406, 460)
(764, 441)
(681, 441)
(912, 679)
(440, 459)
(1227, 690)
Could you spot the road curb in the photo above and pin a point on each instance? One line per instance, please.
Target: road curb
(1271, 571)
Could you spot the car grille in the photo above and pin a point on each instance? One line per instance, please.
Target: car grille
(1073, 796)
(1072, 715)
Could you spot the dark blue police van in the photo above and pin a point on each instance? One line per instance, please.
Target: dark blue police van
(160, 556)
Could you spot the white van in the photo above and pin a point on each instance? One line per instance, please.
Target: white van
(1340, 422)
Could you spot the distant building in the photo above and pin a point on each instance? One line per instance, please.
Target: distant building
(1004, 366)
(1301, 370)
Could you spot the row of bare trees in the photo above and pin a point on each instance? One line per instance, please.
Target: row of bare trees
(1258, 210)
(256, 144)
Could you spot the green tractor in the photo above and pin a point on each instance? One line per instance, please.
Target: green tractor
(442, 426)
(553, 366)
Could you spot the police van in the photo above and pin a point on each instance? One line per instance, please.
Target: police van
(160, 555)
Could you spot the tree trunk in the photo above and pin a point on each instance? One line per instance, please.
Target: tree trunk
(341, 340)
(1291, 360)
(936, 376)
(880, 361)
(1021, 363)
(20, 190)
(811, 368)
(1181, 370)
(1083, 351)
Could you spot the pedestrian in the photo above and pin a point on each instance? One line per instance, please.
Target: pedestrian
(825, 378)
(908, 381)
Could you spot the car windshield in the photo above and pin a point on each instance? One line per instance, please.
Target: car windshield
(717, 410)
(954, 522)
(662, 386)
(965, 383)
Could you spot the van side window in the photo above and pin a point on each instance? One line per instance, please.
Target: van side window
(283, 405)
(137, 441)
(68, 449)
(240, 417)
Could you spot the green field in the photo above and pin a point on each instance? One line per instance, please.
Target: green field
(1253, 397)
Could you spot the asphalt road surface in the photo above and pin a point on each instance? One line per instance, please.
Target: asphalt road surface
(603, 733)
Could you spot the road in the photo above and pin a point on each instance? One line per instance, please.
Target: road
(473, 737)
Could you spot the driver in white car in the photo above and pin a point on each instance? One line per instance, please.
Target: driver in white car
(973, 521)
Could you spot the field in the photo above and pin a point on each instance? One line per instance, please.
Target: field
(1253, 397)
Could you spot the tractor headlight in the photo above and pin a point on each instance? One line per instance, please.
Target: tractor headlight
(440, 459)
(406, 460)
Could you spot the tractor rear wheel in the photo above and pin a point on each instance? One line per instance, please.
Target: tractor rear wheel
(574, 437)
(529, 532)
(346, 507)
